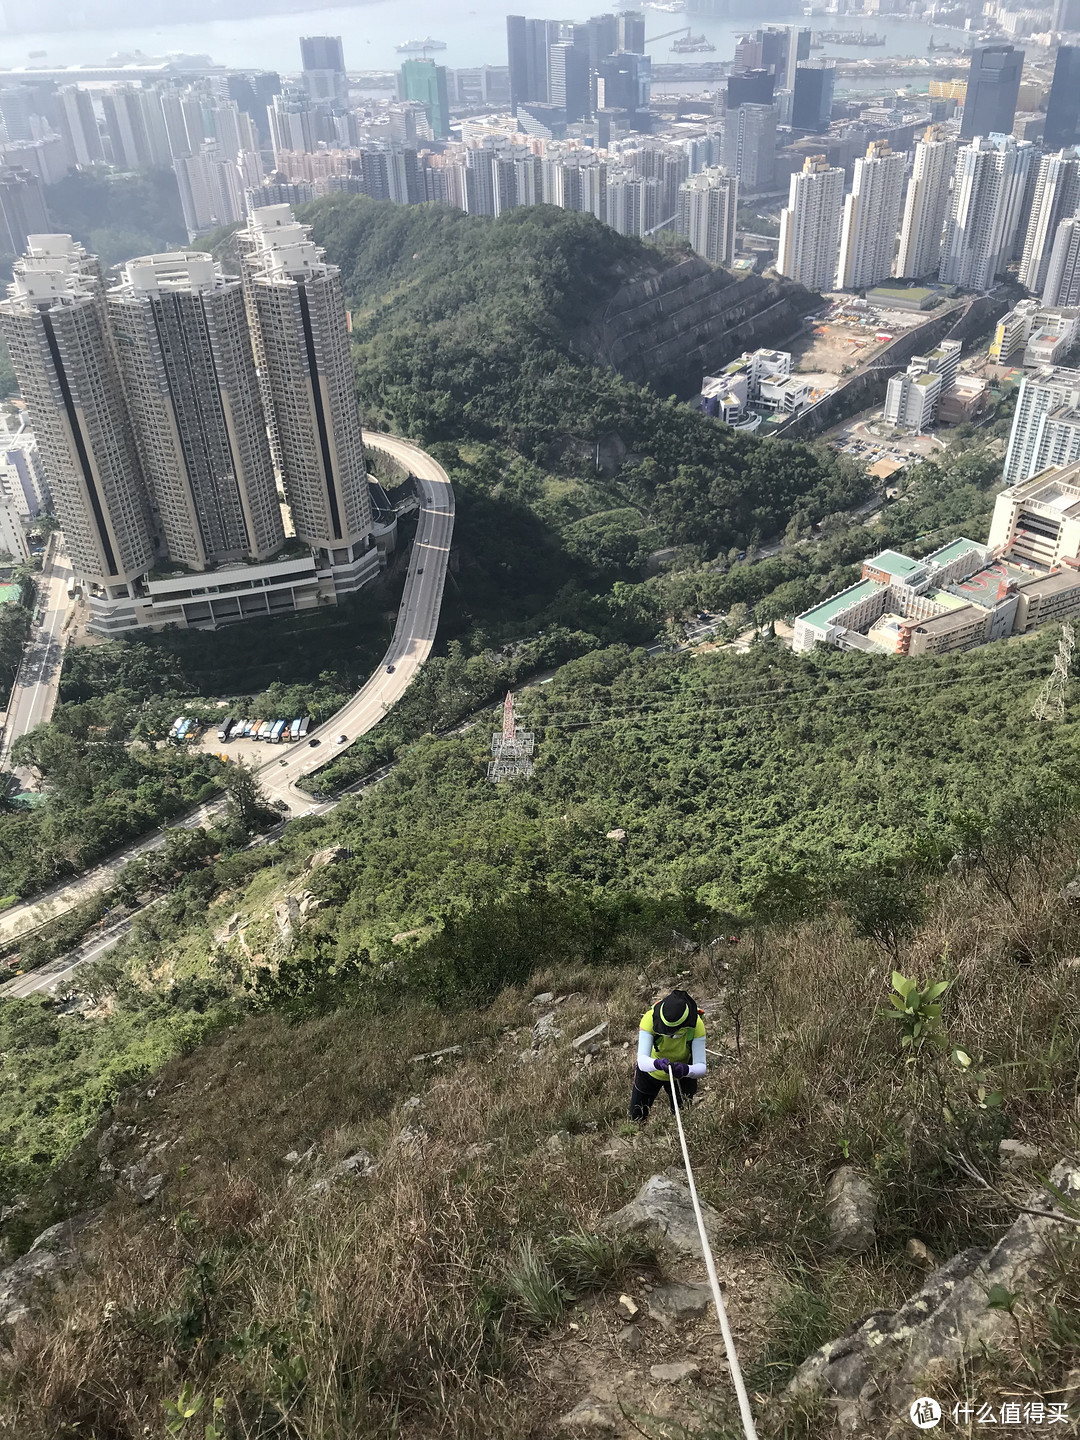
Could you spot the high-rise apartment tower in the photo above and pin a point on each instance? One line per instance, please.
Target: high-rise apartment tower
(55, 326)
(1056, 196)
(189, 376)
(1046, 424)
(708, 203)
(987, 199)
(810, 224)
(871, 216)
(749, 145)
(297, 315)
(926, 205)
(1063, 273)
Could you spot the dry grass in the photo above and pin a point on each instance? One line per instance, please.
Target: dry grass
(379, 1307)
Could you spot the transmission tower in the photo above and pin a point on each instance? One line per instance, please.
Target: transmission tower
(1051, 702)
(511, 748)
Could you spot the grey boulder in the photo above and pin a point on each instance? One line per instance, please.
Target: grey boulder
(49, 1256)
(588, 1417)
(850, 1207)
(681, 1300)
(663, 1207)
(877, 1366)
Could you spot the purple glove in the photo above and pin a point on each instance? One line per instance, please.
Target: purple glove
(663, 1064)
(679, 1069)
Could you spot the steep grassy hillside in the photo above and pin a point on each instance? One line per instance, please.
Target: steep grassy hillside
(746, 788)
(337, 1241)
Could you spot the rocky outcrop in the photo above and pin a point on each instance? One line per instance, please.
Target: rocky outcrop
(42, 1266)
(881, 1363)
(590, 1043)
(588, 1417)
(663, 1208)
(330, 856)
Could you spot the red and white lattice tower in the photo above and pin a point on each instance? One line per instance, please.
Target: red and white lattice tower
(511, 748)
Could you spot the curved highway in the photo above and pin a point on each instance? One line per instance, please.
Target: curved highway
(413, 638)
(414, 633)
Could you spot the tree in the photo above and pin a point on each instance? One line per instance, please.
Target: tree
(247, 799)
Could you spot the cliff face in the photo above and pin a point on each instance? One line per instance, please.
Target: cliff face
(667, 329)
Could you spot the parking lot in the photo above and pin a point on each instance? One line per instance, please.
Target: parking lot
(870, 440)
(251, 752)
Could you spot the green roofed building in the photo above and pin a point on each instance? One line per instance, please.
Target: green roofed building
(965, 593)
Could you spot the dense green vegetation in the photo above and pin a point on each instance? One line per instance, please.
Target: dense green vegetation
(118, 216)
(471, 330)
(99, 790)
(14, 628)
(745, 787)
(334, 648)
(725, 772)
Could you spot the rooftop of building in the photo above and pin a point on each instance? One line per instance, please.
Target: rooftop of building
(891, 562)
(987, 586)
(952, 551)
(1052, 488)
(969, 385)
(884, 468)
(1053, 583)
(885, 632)
(946, 598)
(955, 619)
(825, 613)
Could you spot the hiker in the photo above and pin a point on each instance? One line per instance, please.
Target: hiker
(671, 1041)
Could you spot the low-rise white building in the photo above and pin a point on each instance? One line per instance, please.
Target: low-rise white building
(760, 378)
(911, 400)
(1044, 334)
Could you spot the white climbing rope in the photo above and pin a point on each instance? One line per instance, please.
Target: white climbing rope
(710, 1265)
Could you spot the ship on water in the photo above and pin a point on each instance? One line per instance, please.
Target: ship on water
(692, 45)
(845, 37)
(415, 47)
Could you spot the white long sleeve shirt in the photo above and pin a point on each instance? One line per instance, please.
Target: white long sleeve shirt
(646, 1062)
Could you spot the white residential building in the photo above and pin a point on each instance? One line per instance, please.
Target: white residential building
(871, 216)
(1057, 194)
(912, 400)
(926, 205)
(1063, 272)
(211, 189)
(810, 224)
(708, 203)
(299, 327)
(13, 541)
(1046, 425)
(56, 329)
(1013, 330)
(749, 146)
(987, 200)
